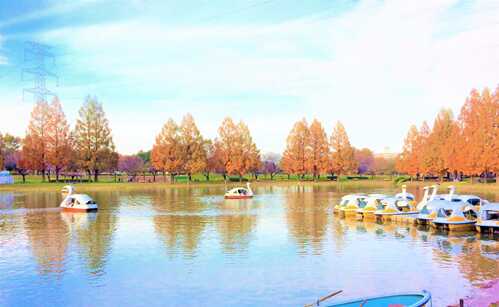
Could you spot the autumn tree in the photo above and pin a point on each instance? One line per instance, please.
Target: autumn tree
(131, 165)
(365, 160)
(167, 151)
(270, 164)
(249, 153)
(214, 162)
(192, 147)
(226, 146)
(479, 119)
(35, 151)
(93, 141)
(294, 157)
(384, 165)
(318, 150)
(440, 145)
(495, 134)
(58, 138)
(9, 144)
(342, 153)
(234, 149)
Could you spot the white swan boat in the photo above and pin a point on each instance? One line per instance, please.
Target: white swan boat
(449, 204)
(239, 193)
(373, 203)
(455, 215)
(77, 202)
(349, 204)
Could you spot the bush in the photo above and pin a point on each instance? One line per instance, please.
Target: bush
(357, 177)
(236, 179)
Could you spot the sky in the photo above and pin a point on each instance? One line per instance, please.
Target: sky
(376, 66)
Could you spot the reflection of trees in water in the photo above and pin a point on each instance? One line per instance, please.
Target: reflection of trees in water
(48, 237)
(235, 225)
(95, 240)
(178, 221)
(9, 224)
(6, 200)
(477, 259)
(307, 216)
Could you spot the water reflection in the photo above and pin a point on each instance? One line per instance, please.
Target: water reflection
(307, 217)
(95, 233)
(235, 223)
(178, 220)
(48, 236)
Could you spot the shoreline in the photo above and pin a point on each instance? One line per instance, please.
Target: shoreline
(371, 183)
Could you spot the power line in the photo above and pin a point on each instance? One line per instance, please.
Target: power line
(35, 56)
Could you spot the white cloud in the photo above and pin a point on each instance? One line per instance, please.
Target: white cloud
(378, 68)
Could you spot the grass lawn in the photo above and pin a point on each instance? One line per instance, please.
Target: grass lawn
(34, 183)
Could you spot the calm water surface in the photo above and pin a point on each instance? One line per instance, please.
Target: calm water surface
(190, 247)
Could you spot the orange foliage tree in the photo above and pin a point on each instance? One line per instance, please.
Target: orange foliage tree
(440, 146)
(35, 146)
(469, 145)
(295, 156)
(342, 153)
(167, 151)
(235, 150)
(479, 119)
(193, 149)
(318, 153)
(58, 138)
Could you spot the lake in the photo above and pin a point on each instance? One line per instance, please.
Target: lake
(190, 247)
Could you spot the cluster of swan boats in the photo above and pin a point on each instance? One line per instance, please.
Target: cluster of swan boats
(451, 211)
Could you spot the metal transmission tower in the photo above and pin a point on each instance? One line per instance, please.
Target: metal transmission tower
(35, 56)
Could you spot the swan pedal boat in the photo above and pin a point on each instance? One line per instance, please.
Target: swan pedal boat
(488, 219)
(393, 207)
(349, 205)
(77, 202)
(455, 216)
(239, 193)
(372, 203)
(429, 210)
(416, 299)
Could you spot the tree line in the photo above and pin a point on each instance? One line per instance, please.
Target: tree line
(50, 147)
(467, 145)
(453, 148)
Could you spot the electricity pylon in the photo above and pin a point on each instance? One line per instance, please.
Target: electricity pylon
(35, 65)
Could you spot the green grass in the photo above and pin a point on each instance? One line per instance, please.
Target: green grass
(35, 183)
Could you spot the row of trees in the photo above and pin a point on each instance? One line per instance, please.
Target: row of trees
(51, 147)
(310, 151)
(468, 145)
(183, 150)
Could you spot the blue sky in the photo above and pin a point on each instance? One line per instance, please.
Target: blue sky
(377, 66)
